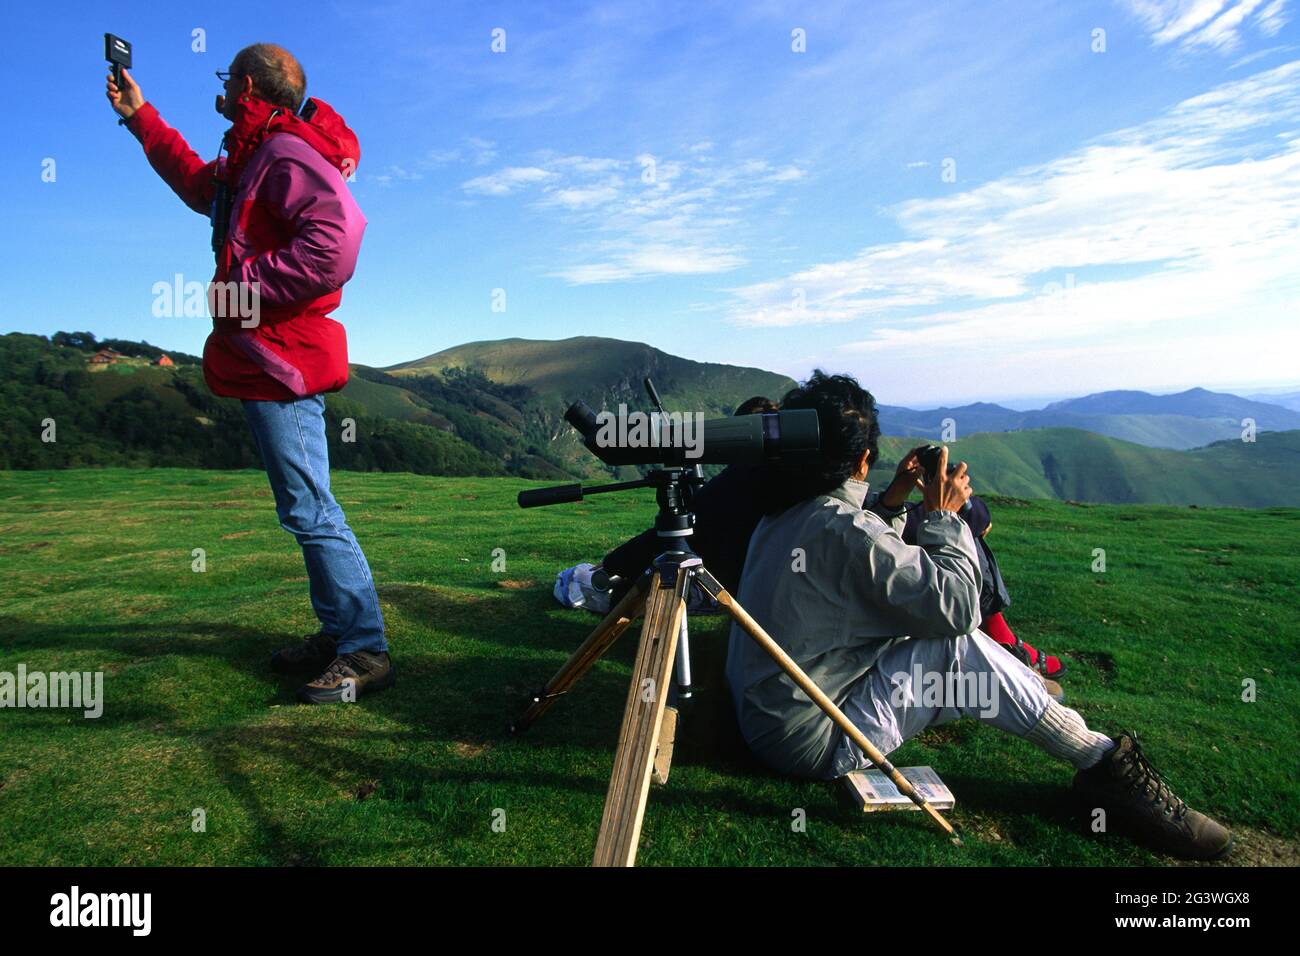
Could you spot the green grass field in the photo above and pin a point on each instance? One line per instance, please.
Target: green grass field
(97, 572)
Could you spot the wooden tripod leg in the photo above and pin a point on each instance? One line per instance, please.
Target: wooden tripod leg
(629, 784)
(664, 745)
(809, 687)
(591, 650)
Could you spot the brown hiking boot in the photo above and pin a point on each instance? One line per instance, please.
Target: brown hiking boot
(1054, 690)
(314, 653)
(1138, 800)
(348, 677)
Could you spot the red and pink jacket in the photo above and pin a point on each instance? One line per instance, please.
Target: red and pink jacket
(295, 230)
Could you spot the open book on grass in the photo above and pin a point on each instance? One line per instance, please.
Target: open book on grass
(871, 790)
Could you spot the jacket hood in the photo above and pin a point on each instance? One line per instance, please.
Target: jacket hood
(318, 125)
(322, 127)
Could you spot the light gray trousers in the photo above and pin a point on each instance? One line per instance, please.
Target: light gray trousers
(924, 682)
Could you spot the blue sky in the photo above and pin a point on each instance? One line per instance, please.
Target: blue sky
(953, 201)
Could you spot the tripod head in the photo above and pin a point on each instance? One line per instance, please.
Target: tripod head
(674, 523)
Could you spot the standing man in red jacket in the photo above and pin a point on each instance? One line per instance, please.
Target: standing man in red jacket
(285, 232)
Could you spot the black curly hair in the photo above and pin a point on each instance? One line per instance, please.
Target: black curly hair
(850, 425)
(756, 406)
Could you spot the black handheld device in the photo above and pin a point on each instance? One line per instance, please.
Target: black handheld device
(929, 458)
(117, 52)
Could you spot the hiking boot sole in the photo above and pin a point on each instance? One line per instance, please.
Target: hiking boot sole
(1224, 852)
(334, 695)
(1132, 830)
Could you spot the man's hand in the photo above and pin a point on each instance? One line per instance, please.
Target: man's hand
(126, 100)
(946, 492)
(906, 477)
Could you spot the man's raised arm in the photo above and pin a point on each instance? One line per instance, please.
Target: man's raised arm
(171, 157)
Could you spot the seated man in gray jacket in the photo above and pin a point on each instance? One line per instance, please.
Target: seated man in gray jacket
(890, 631)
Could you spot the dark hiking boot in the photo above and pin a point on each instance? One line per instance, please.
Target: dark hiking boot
(1139, 802)
(1047, 665)
(314, 653)
(348, 677)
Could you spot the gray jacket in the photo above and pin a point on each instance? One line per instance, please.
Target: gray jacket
(835, 586)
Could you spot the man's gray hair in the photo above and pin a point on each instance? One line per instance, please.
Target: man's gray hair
(278, 78)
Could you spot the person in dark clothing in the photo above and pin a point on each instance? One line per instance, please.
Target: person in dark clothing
(727, 510)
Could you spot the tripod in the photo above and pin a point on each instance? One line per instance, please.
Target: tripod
(660, 594)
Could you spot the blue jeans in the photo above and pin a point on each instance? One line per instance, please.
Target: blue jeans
(291, 439)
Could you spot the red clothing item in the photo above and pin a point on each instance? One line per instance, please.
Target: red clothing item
(295, 232)
(996, 627)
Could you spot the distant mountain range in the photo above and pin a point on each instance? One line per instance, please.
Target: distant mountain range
(496, 408)
(1289, 400)
(1190, 419)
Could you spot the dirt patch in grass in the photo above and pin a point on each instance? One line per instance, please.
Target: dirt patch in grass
(1253, 847)
(29, 546)
(117, 667)
(237, 534)
(365, 789)
(1102, 665)
(13, 777)
(520, 585)
(946, 734)
(983, 827)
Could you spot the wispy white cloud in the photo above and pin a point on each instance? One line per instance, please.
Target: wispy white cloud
(473, 150)
(1192, 215)
(1211, 24)
(645, 216)
(1273, 18)
(505, 181)
(1257, 55)
(481, 151)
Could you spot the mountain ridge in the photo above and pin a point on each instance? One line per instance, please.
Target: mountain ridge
(445, 414)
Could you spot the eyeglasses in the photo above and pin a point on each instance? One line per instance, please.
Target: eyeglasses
(223, 76)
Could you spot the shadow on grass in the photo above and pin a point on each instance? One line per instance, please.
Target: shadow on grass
(457, 700)
(463, 700)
